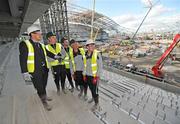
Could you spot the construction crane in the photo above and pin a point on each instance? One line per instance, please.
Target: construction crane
(159, 64)
(92, 19)
(150, 8)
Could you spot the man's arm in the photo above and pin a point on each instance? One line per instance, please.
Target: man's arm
(49, 54)
(100, 65)
(71, 67)
(63, 52)
(23, 50)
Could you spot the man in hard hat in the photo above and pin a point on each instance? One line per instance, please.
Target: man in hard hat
(57, 64)
(65, 43)
(93, 71)
(77, 65)
(34, 64)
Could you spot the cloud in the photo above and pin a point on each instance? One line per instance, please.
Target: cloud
(159, 10)
(128, 20)
(125, 18)
(166, 23)
(157, 18)
(154, 22)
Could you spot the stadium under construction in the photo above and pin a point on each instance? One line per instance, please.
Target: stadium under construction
(140, 82)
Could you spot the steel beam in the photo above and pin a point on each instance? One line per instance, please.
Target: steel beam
(8, 18)
(34, 9)
(14, 8)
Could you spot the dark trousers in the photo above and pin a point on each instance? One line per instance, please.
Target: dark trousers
(59, 73)
(93, 88)
(69, 76)
(79, 81)
(39, 79)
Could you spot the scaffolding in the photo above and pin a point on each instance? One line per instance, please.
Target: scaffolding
(74, 22)
(55, 20)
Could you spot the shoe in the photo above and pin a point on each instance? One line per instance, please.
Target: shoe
(80, 94)
(91, 100)
(72, 90)
(85, 98)
(47, 106)
(77, 88)
(95, 107)
(48, 98)
(64, 92)
(58, 92)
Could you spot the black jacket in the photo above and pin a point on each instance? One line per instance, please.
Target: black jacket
(39, 56)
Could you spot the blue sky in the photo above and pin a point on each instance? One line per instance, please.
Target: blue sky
(129, 13)
(113, 8)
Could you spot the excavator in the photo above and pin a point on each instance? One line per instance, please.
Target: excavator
(156, 69)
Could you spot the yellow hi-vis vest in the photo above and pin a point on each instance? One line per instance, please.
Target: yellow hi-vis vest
(66, 60)
(72, 58)
(94, 63)
(30, 59)
(55, 52)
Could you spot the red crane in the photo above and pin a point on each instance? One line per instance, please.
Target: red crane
(159, 64)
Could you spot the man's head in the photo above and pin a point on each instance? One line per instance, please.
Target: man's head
(65, 42)
(90, 44)
(74, 44)
(34, 32)
(51, 37)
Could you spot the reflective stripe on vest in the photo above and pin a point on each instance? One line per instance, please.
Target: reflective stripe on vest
(55, 52)
(94, 63)
(44, 49)
(66, 61)
(30, 59)
(72, 58)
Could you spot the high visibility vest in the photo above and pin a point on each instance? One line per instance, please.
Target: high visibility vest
(94, 63)
(55, 52)
(30, 59)
(66, 60)
(72, 58)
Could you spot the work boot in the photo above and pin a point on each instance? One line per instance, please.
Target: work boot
(85, 97)
(64, 91)
(47, 106)
(44, 102)
(77, 88)
(91, 100)
(80, 94)
(48, 98)
(95, 107)
(72, 90)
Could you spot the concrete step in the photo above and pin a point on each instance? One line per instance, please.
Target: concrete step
(36, 112)
(115, 115)
(7, 110)
(73, 109)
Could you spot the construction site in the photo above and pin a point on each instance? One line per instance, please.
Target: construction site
(139, 84)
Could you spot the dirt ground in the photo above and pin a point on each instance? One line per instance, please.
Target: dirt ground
(170, 68)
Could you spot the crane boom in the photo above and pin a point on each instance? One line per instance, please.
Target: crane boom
(159, 64)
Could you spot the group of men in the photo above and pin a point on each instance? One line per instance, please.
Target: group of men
(71, 61)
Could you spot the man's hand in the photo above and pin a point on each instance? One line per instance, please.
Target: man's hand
(74, 76)
(60, 60)
(57, 57)
(95, 80)
(84, 78)
(27, 77)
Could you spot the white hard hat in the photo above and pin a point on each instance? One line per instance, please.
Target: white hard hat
(33, 28)
(90, 41)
